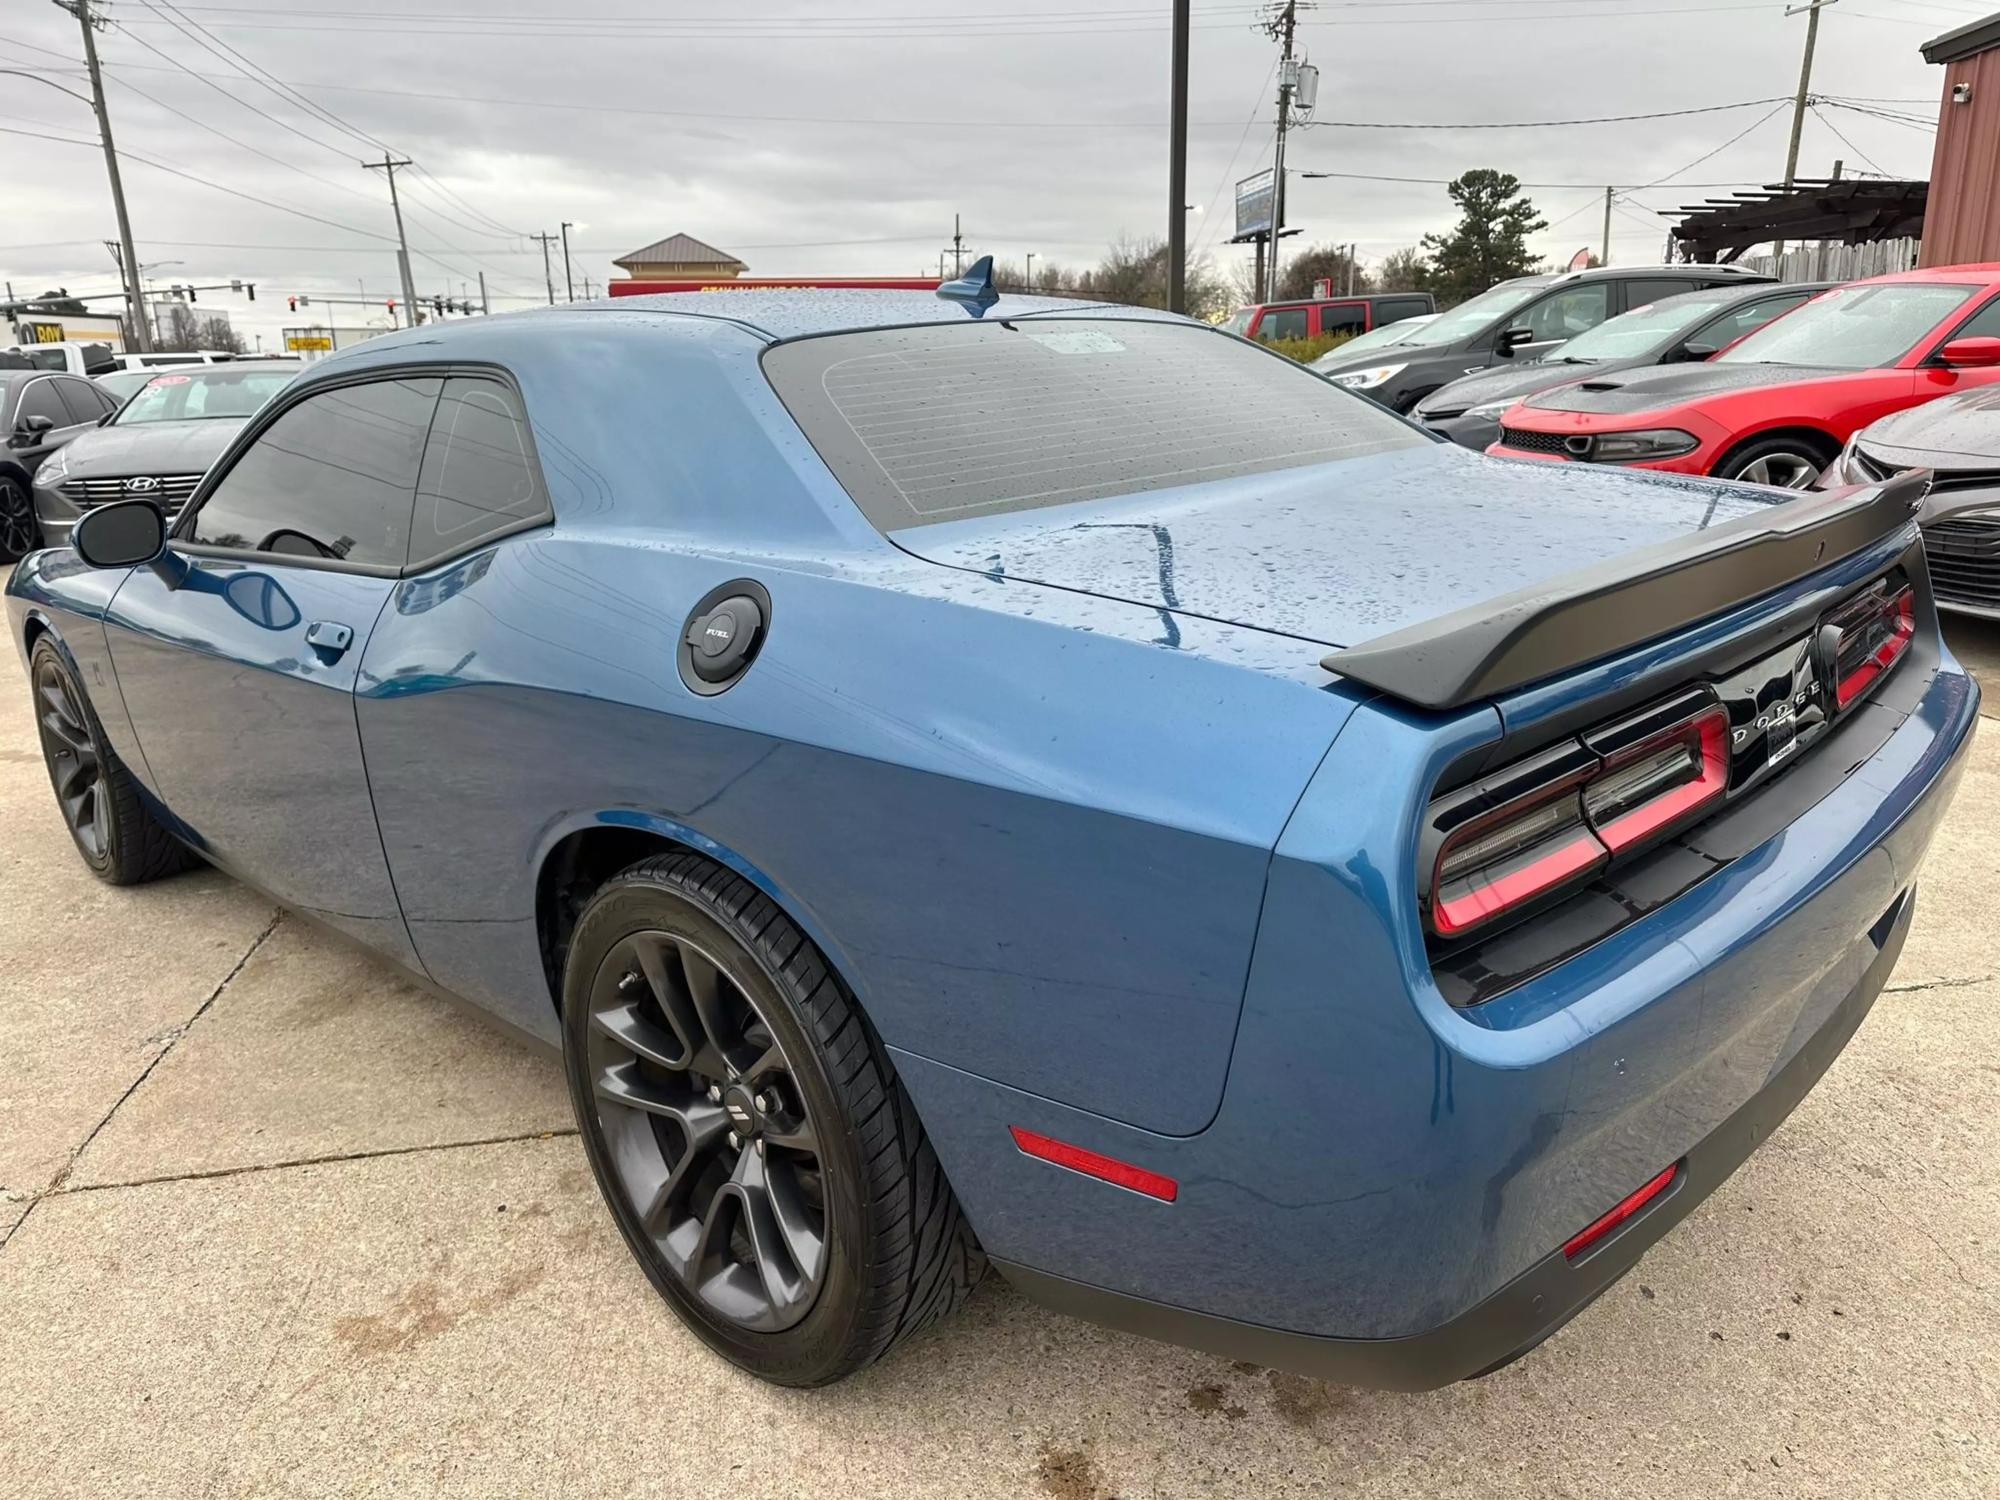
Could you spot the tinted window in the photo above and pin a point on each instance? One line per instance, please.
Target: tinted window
(1984, 324)
(478, 477)
(1389, 309)
(944, 422)
(1571, 311)
(334, 477)
(1283, 323)
(1347, 317)
(1725, 331)
(1854, 327)
(39, 399)
(1643, 289)
(85, 402)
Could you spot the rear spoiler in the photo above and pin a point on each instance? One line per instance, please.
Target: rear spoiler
(1609, 607)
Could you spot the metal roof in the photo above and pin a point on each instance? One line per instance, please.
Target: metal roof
(678, 249)
(1969, 40)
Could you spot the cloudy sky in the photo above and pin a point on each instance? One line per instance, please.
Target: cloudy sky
(842, 137)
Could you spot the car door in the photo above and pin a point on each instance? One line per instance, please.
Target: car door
(30, 442)
(237, 655)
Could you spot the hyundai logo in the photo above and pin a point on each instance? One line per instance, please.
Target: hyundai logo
(142, 484)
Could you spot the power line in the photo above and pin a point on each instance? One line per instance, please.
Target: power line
(1841, 136)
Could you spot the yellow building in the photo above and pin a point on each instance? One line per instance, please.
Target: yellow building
(680, 257)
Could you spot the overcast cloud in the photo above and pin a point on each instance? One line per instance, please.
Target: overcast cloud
(1043, 126)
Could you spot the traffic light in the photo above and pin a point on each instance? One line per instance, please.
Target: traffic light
(191, 295)
(292, 304)
(252, 290)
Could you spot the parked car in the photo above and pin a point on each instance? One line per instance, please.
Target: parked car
(1686, 328)
(68, 357)
(1313, 318)
(1957, 438)
(999, 777)
(1517, 320)
(1776, 407)
(1375, 338)
(40, 413)
(158, 444)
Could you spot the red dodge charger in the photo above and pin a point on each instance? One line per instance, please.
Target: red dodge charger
(1776, 406)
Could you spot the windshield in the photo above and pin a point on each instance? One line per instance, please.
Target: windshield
(1640, 330)
(1853, 327)
(1238, 322)
(122, 383)
(941, 422)
(211, 392)
(1469, 317)
(1375, 338)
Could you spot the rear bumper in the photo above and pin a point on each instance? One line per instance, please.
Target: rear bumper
(1517, 1317)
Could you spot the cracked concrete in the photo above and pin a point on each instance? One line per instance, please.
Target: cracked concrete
(274, 1224)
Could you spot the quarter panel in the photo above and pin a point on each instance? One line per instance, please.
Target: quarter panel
(1036, 850)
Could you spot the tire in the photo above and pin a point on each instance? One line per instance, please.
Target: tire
(745, 1126)
(19, 533)
(1790, 462)
(106, 814)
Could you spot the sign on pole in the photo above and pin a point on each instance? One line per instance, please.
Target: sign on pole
(1256, 203)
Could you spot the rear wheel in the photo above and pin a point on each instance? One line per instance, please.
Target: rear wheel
(748, 1132)
(1788, 461)
(18, 533)
(114, 830)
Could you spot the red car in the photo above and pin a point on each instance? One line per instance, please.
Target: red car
(1776, 406)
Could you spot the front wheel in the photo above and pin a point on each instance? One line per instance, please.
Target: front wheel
(748, 1132)
(19, 534)
(1787, 463)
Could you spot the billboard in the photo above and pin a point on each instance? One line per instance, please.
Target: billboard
(322, 339)
(1256, 204)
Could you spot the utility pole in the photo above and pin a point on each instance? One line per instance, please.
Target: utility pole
(1604, 257)
(569, 286)
(1177, 166)
(957, 249)
(388, 165)
(1283, 27)
(1812, 11)
(545, 240)
(483, 307)
(92, 23)
(1030, 277)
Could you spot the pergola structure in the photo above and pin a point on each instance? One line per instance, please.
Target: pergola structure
(1844, 210)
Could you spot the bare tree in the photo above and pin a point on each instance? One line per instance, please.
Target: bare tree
(1319, 263)
(1135, 273)
(181, 330)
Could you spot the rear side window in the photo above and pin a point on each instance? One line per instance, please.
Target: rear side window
(479, 477)
(1343, 317)
(85, 401)
(334, 477)
(1395, 309)
(1640, 290)
(946, 422)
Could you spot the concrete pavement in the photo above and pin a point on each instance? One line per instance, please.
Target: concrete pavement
(273, 1223)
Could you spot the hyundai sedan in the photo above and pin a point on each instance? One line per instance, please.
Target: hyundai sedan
(971, 780)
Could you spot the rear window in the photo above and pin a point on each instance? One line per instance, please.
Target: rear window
(946, 422)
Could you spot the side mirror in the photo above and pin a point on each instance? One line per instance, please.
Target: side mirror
(28, 429)
(1698, 351)
(1970, 354)
(1512, 339)
(120, 535)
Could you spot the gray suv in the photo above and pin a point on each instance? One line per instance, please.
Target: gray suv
(1516, 320)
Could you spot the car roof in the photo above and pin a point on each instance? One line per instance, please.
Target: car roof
(789, 313)
(1987, 271)
(223, 367)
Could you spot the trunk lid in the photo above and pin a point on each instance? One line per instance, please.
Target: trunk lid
(1343, 552)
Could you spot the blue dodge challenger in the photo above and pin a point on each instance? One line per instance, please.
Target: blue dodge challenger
(971, 777)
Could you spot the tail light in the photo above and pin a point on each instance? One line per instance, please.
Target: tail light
(1549, 821)
(1864, 638)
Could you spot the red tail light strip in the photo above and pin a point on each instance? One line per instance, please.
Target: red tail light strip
(1903, 610)
(1495, 896)
(1106, 1168)
(1711, 781)
(1583, 1239)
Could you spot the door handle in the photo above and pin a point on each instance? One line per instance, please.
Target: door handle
(329, 639)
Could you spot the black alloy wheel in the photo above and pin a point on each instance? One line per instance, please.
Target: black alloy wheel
(747, 1130)
(19, 535)
(106, 813)
(709, 1133)
(76, 764)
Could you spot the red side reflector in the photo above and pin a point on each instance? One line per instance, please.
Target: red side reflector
(1583, 1239)
(1105, 1168)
